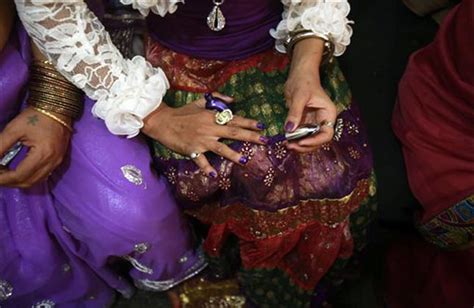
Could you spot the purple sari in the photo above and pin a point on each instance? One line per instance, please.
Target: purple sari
(59, 238)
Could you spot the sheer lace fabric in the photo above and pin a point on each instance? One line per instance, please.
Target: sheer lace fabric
(327, 18)
(73, 38)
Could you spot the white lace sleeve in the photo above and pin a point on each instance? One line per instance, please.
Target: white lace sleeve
(160, 7)
(72, 38)
(327, 18)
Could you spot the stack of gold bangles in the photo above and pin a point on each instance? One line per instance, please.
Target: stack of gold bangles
(300, 35)
(51, 93)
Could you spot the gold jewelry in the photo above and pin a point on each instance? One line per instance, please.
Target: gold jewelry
(48, 83)
(54, 108)
(51, 92)
(223, 117)
(328, 124)
(53, 117)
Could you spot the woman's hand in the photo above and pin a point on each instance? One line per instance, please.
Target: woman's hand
(47, 141)
(192, 129)
(307, 101)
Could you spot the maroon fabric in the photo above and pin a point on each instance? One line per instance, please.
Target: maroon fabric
(421, 275)
(434, 118)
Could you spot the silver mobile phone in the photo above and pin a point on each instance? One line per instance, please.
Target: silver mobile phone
(10, 155)
(303, 132)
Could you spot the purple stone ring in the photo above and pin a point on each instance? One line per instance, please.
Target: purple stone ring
(214, 103)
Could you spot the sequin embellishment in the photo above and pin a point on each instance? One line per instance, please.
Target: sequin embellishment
(141, 247)
(338, 129)
(44, 304)
(6, 290)
(132, 174)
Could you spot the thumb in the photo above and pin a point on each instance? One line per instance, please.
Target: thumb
(294, 115)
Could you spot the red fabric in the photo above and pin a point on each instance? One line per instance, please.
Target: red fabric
(421, 275)
(434, 118)
(191, 74)
(305, 254)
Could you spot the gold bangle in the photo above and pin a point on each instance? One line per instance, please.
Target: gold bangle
(54, 94)
(45, 105)
(52, 84)
(55, 108)
(53, 117)
(50, 91)
(36, 100)
(64, 100)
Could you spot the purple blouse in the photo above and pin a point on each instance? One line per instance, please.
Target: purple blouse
(246, 33)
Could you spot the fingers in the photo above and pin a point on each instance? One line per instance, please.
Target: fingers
(295, 113)
(324, 136)
(240, 134)
(202, 102)
(225, 98)
(7, 140)
(205, 166)
(25, 169)
(223, 150)
(300, 149)
(246, 123)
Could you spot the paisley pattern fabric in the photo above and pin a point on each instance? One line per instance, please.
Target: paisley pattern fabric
(453, 228)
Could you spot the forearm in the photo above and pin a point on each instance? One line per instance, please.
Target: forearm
(7, 15)
(307, 55)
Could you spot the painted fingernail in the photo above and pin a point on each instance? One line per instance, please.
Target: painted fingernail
(261, 126)
(289, 126)
(243, 160)
(264, 139)
(213, 174)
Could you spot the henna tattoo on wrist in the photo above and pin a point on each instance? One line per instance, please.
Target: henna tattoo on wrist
(32, 120)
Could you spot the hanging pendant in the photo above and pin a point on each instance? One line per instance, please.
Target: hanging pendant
(216, 20)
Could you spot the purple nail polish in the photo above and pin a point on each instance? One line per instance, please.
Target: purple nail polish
(213, 175)
(243, 160)
(289, 126)
(264, 139)
(261, 126)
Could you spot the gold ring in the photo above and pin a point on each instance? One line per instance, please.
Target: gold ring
(328, 124)
(223, 117)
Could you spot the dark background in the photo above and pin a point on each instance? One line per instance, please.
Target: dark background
(385, 34)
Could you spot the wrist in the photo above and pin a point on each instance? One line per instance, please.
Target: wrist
(149, 122)
(308, 50)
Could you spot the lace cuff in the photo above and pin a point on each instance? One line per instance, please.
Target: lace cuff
(132, 97)
(326, 18)
(74, 40)
(160, 7)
